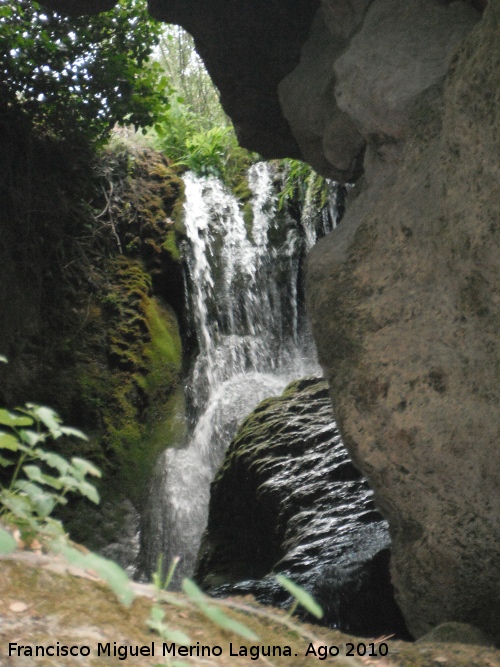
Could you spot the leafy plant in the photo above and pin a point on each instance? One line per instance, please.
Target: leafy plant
(186, 72)
(80, 76)
(41, 479)
(212, 151)
(195, 132)
(32, 494)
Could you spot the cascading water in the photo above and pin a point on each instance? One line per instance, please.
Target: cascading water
(243, 286)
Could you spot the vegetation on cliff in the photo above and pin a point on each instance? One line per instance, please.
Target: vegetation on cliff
(80, 76)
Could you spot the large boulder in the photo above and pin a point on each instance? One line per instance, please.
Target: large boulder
(404, 300)
(361, 69)
(288, 499)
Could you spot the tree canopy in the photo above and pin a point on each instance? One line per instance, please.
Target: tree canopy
(81, 75)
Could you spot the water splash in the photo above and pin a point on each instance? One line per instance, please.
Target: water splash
(244, 287)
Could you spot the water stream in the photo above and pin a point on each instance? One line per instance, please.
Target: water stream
(244, 287)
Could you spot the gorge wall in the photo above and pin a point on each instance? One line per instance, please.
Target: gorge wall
(404, 302)
(403, 98)
(90, 295)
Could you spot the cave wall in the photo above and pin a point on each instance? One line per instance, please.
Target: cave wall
(404, 300)
(90, 296)
(404, 295)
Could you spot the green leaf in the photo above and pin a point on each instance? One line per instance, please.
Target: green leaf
(7, 542)
(48, 417)
(89, 491)
(193, 592)
(155, 622)
(19, 506)
(85, 467)
(53, 460)
(8, 441)
(3, 359)
(110, 572)
(43, 502)
(75, 432)
(30, 437)
(10, 419)
(302, 596)
(36, 475)
(5, 463)
(33, 472)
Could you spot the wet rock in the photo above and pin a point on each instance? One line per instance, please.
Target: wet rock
(288, 499)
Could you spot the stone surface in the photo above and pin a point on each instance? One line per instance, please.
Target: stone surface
(314, 79)
(458, 633)
(404, 297)
(327, 137)
(400, 50)
(288, 499)
(67, 605)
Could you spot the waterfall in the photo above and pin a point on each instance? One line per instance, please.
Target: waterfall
(244, 288)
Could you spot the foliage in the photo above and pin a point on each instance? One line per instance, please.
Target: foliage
(80, 76)
(187, 74)
(41, 479)
(194, 132)
(34, 489)
(181, 135)
(298, 177)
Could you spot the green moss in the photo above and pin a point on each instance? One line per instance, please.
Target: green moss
(129, 369)
(170, 245)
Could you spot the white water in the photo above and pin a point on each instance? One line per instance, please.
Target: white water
(253, 340)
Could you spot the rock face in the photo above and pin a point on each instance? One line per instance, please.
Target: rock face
(317, 79)
(404, 296)
(404, 299)
(288, 499)
(44, 600)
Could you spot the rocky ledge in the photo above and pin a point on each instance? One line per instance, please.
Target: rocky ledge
(43, 601)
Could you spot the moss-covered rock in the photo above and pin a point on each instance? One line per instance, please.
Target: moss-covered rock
(127, 371)
(456, 633)
(90, 307)
(401, 297)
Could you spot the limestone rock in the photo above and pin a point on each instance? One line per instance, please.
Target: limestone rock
(404, 297)
(288, 499)
(458, 633)
(400, 50)
(327, 137)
